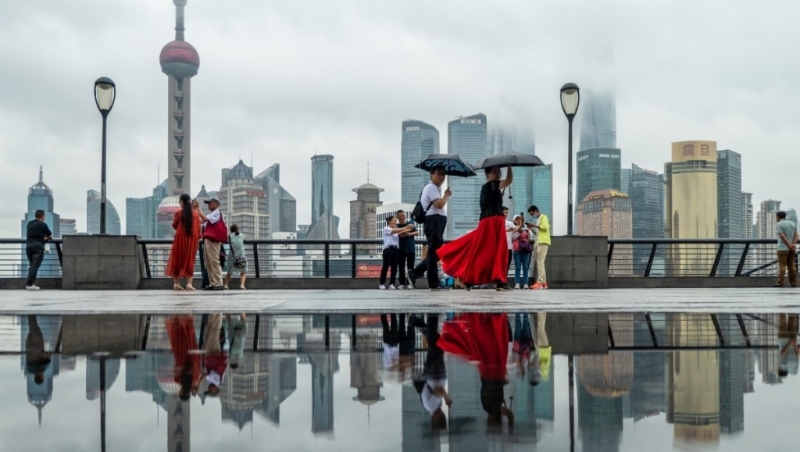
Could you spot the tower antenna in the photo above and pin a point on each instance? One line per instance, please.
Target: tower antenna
(367, 172)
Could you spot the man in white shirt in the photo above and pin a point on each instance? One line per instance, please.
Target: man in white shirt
(211, 247)
(435, 206)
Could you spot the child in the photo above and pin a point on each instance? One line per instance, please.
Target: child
(238, 260)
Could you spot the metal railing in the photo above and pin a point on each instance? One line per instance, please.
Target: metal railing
(361, 258)
(691, 257)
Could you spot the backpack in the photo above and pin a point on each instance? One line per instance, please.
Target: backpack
(524, 244)
(419, 212)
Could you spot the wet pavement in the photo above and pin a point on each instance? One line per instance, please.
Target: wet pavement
(346, 301)
(470, 381)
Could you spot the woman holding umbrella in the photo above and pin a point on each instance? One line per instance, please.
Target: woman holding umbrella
(481, 256)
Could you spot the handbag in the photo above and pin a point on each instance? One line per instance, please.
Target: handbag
(216, 232)
(524, 244)
(238, 261)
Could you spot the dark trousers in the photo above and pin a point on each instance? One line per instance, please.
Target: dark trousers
(392, 333)
(406, 262)
(35, 258)
(202, 249)
(434, 233)
(510, 258)
(390, 261)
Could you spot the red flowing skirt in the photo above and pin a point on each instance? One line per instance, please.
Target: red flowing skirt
(180, 329)
(183, 253)
(479, 256)
(479, 337)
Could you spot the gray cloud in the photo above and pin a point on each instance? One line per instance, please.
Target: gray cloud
(280, 80)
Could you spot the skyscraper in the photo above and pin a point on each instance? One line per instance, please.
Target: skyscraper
(747, 215)
(542, 183)
(467, 137)
(766, 226)
(418, 141)
(691, 197)
(647, 202)
(281, 204)
(180, 62)
(598, 169)
(68, 226)
(608, 213)
(729, 195)
(321, 186)
(244, 202)
(598, 121)
(141, 214)
(625, 180)
(93, 215)
(363, 211)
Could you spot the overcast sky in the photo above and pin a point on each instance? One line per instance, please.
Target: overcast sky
(281, 80)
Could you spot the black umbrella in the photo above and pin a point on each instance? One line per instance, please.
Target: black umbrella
(450, 163)
(510, 158)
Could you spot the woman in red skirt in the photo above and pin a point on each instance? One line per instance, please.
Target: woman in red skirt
(481, 256)
(184, 247)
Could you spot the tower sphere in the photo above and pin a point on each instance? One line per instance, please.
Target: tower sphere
(179, 59)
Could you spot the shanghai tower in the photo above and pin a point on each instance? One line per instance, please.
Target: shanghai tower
(598, 120)
(180, 61)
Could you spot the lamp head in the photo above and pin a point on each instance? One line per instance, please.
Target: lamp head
(104, 94)
(570, 98)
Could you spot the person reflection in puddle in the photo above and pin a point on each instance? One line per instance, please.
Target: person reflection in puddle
(431, 385)
(526, 357)
(787, 338)
(237, 325)
(36, 358)
(215, 360)
(483, 338)
(182, 340)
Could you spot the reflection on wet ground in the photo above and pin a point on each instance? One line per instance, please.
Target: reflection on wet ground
(456, 382)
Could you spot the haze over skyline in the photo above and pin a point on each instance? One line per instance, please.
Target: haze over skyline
(285, 81)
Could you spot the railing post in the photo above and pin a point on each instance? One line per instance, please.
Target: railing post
(740, 267)
(610, 253)
(327, 259)
(60, 254)
(353, 263)
(650, 260)
(146, 261)
(255, 332)
(716, 261)
(255, 260)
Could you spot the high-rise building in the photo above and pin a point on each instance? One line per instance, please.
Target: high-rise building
(180, 62)
(281, 205)
(608, 213)
(68, 226)
(467, 137)
(729, 209)
(598, 169)
(647, 202)
(141, 214)
(766, 226)
(625, 180)
(113, 226)
(363, 211)
(748, 231)
(321, 186)
(542, 183)
(598, 121)
(244, 202)
(691, 198)
(135, 217)
(418, 141)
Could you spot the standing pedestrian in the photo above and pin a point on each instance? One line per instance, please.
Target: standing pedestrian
(509, 231)
(408, 248)
(238, 262)
(37, 235)
(787, 247)
(435, 205)
(215, 234)
(186, 224)
(481, 256)
(522, 252)
(391, 251)
(542, 227)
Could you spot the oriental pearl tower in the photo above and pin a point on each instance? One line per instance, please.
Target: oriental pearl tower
(180, 61)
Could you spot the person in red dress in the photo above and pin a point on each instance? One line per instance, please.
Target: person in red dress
(182, 340)
(184, 247)
(483, 339)
(481, 256)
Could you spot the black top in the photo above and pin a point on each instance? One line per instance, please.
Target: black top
(491, 199)
(37, 231)
(406, 243)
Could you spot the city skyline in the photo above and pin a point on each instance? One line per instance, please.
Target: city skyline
(652, 96)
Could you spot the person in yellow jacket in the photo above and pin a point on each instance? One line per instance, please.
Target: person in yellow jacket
(542, 227)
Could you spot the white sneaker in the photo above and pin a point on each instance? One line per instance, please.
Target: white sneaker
(401, 287)
(32, 287)
(391, 287)
(409, 287)
(516, 286)
(382, 287)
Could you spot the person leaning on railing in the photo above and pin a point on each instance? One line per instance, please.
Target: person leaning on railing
(786, 249)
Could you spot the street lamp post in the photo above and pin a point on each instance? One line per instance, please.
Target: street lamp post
(105, 92)
(570, 98)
